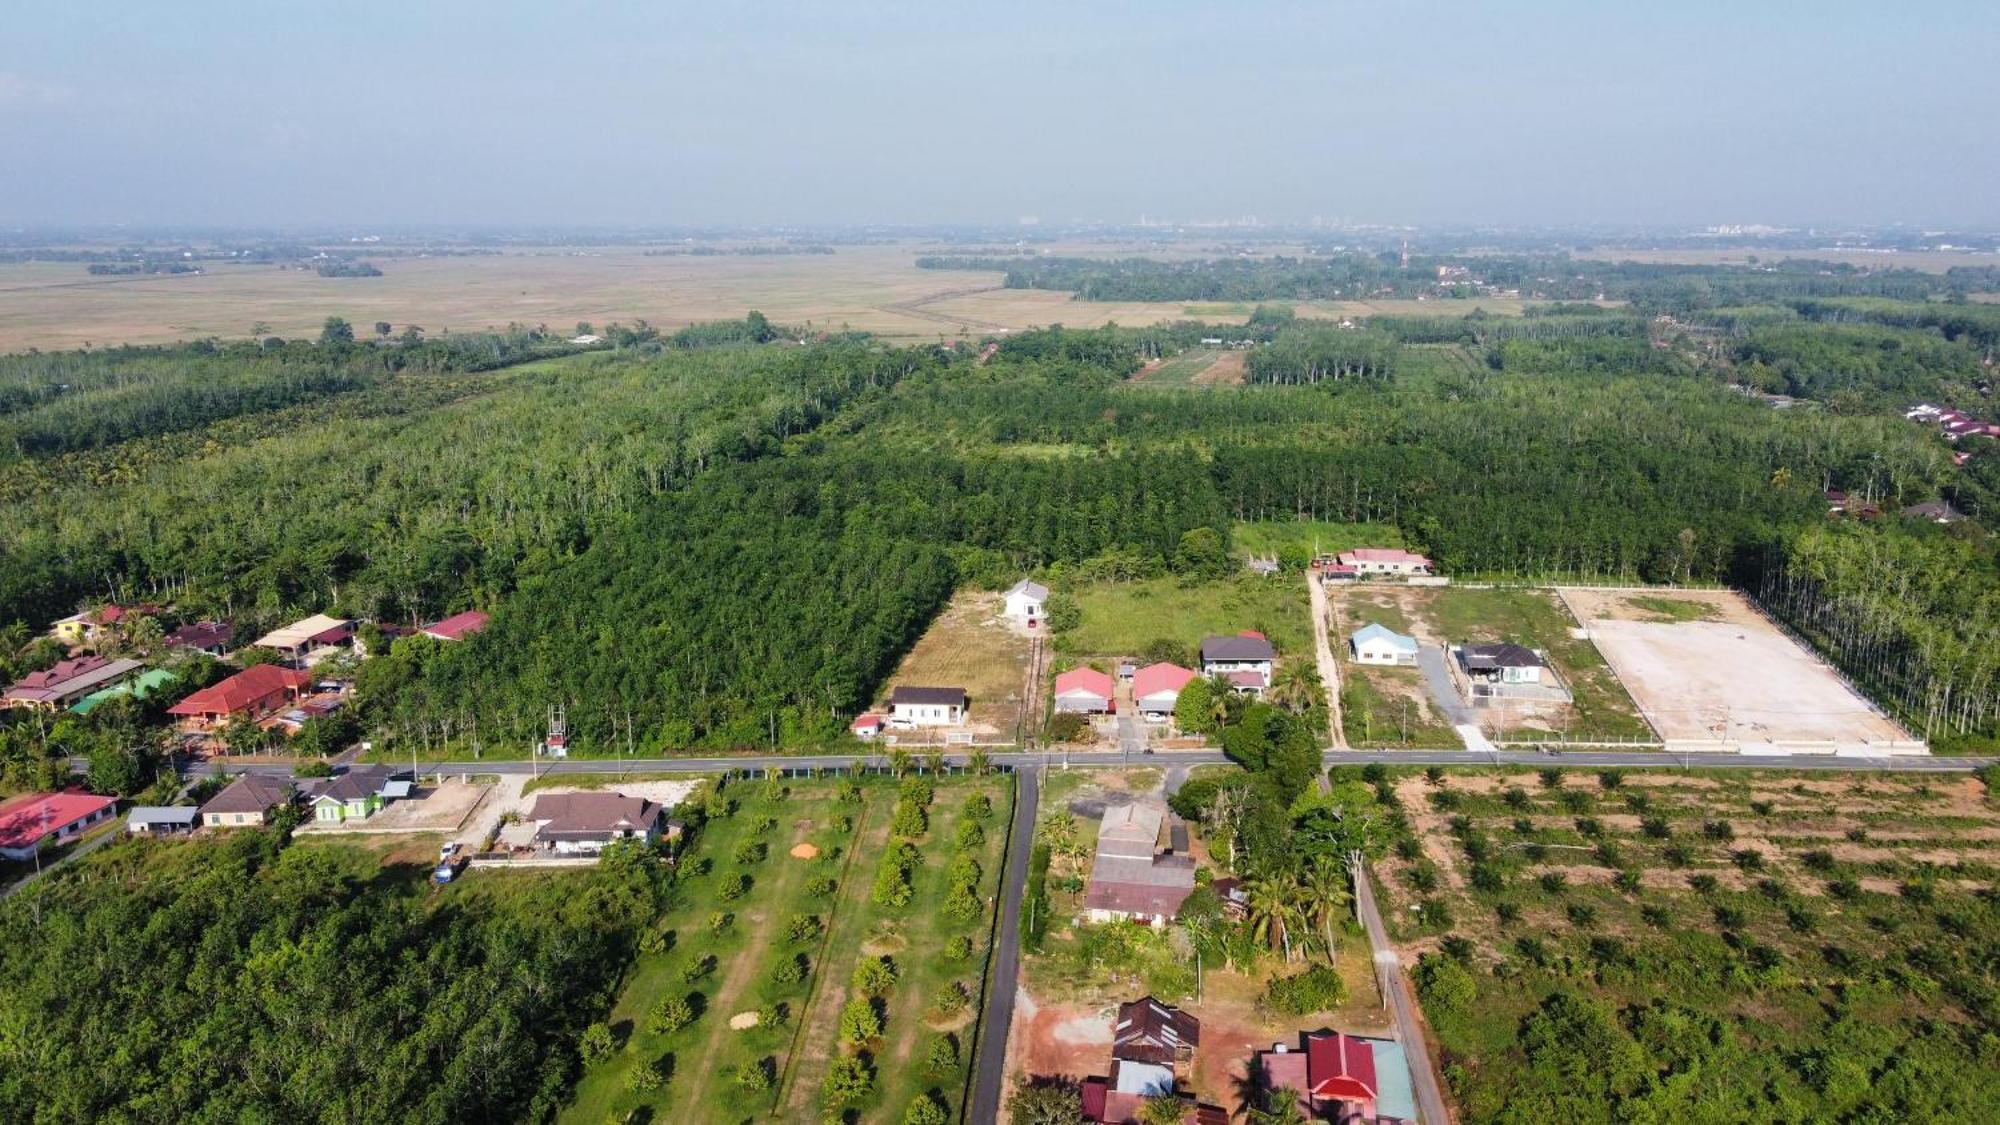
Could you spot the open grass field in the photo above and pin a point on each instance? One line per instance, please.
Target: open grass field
(1535, 618)
(1705, 667)
(730, 950)
(1789, 916)
(1272, 538)
(877, 288)
(1179, 370)
(970, 645)
(1121, 618)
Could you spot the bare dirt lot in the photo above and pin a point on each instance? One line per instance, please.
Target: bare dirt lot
(440, 808)
(1719, 670)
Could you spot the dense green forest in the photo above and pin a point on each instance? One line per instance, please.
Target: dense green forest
(841, 489)
(1346, 275)
(244, 980)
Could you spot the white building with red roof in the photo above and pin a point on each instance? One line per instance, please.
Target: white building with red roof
(1156, 688)
(458, 626)
(1341, 1077)
(1085, 691)
(1393, 562)
(30, 822)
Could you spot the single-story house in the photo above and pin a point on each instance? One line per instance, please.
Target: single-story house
(308, 635)
(30, 822)
(1503, 663)
(1084, 691)
(1264, 567)
(162, 820)
(143, 686)
(255, 691)
(1147, 1031)
(1375, 644)
(1937, 511)
(249, 800)
(1027, 601)
(458, 626)
(911, 706)
(1340, 1077)
(1156, 688)
(1133, 878)
(211, 637)
(1369, 562)
(68, 681)
(586, 823)
(1247, 651)
(357, 794)
(866, 726)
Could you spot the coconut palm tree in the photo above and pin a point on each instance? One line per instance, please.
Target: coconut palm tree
(1327, 898)
(1296, 688)
(1281, 1107)
(1264, 909)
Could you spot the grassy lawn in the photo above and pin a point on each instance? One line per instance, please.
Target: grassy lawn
(1388, 707)
(1267, 538)
(915, 938)
(1795, 911)
(735, 968)
(1121, 618)
(1673, 609)
(702, 1060)
(1536, 618)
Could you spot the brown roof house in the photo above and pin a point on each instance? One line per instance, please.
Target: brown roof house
(1151, 1032)
(1134, 878)
(1152, 1045)
(587, 823)
(248, 801)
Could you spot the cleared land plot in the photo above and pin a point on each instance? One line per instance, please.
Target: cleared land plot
(441, 808)
(1792, 908)
(1535, 618)
(1121, 618)
(1705, 667)
(1179, 370)
(972, 646)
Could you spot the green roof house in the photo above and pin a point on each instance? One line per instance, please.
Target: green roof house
(142, 686)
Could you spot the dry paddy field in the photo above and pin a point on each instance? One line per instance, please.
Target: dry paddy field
(1705, 666)
(55, 305)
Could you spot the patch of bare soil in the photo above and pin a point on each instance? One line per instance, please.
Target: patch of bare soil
(1226, 371)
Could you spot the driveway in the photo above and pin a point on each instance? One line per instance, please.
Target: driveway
(1444, 693)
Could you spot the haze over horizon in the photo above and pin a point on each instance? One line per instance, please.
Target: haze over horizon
(1561, 112)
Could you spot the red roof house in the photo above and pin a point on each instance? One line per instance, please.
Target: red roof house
(252, 691)
(1085, 691)
(866, 726)
(1157, 687)
(458, 626)
(25, 822)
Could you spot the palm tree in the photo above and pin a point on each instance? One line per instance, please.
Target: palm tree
(978, 762)
(934, 762)
(1164, 1110)
(1326, 896)
(1296, 688)
(1264, 908)
(899, 760)
(1221, 706)
(1283, 1109)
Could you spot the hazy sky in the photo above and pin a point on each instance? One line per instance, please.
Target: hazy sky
(726, 111)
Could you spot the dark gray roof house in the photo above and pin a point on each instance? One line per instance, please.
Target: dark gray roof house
(927, 696)
(1506, 654)
(1241, 647)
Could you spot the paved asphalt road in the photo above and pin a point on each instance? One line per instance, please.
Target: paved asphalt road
(1575, 759)
(990, 1063)
(1409, 1020)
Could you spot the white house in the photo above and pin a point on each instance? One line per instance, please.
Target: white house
(1026, 602)
(1244, 659)
(1371, 562)
(1504, 663)
(911, 707)
(1374, 644)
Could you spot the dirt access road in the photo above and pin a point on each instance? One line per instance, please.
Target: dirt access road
(1329, 669)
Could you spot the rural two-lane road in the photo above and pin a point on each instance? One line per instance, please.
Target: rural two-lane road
(990, 1058)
